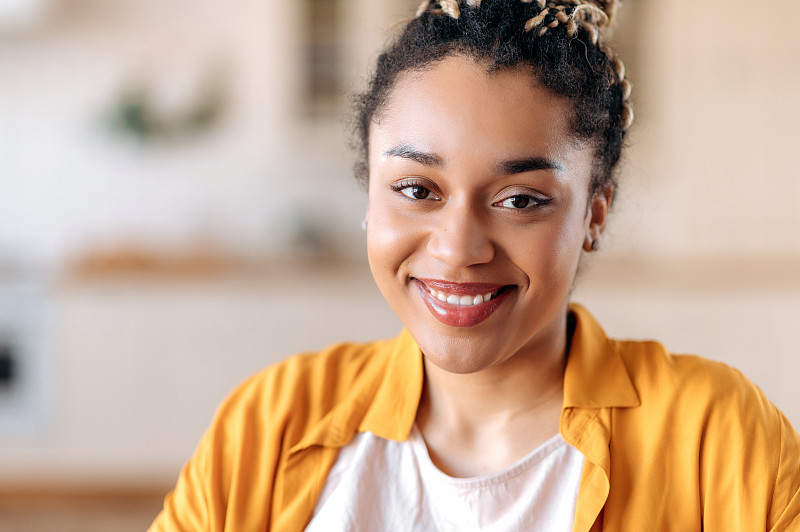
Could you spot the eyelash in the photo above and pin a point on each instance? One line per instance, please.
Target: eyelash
(404, 187)
(533, 202)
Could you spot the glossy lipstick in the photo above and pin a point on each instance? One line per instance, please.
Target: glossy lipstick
(455, 314)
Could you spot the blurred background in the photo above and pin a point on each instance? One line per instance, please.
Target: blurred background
(177, 211)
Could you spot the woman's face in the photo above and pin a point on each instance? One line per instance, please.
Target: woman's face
(479, 207)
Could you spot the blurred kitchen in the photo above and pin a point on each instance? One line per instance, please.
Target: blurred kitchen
(178, 211)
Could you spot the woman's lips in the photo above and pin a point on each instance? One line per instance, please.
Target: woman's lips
(461, 304)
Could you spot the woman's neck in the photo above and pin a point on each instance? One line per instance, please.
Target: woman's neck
(483, 422)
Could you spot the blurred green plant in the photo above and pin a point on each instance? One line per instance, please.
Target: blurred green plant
(135, 114)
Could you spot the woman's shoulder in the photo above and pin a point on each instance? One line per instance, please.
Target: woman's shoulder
(324, 376)
(654, 371)
(704, 423)
(306, 399)
(347, 360)
(693, 399)
(651, 376)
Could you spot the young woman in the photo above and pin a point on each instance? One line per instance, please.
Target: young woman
(491, 131)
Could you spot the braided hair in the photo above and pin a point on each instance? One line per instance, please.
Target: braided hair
(562, 41)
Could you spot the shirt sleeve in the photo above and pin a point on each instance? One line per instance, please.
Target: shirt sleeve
(785, 512)
(190, 506)
(227, 484)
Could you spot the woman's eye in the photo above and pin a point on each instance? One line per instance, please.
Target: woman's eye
(415, 192)
(521, 201)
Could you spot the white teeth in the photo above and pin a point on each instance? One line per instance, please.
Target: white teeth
(463, 301)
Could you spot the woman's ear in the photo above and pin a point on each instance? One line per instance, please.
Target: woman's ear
(596, 217)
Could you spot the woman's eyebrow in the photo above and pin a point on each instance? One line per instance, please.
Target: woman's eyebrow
(529, 164)
(406, 151)
(510, 167)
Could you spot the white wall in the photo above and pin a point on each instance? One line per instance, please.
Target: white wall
(711, 169)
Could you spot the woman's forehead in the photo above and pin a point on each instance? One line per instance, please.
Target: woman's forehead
(457, 106)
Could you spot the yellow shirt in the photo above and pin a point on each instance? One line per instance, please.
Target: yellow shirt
(671, 442)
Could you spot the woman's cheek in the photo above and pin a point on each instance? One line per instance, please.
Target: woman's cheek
(557, 243)
(391, 239)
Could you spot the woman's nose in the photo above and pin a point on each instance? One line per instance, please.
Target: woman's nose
(460, 238)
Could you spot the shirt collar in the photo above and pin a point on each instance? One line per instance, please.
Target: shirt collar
(384, 401)
(394, 408)
(595, 376)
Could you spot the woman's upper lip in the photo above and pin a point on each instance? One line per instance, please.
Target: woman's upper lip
(450, 287)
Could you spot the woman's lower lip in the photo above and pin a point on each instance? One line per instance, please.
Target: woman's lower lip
(458, 316)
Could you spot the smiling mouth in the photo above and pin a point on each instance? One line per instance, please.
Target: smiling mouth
(463, 301)
(462, 304)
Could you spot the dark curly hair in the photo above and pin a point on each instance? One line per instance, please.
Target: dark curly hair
(561, 41)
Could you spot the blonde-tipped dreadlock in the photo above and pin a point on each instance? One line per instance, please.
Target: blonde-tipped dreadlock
(592, 19)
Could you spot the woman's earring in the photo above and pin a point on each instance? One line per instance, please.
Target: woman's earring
(364, 224)
(595, 244)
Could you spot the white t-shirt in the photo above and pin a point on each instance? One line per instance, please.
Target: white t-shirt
(383, 485)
